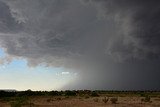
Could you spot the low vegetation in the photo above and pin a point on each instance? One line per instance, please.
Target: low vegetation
(114, 100)
(146, 99)
(30, 98)
(105, 100)
(19, 101)
(4, 94)
(95, 99)
(94, 94)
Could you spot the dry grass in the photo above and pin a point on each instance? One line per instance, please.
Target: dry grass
(63, 101)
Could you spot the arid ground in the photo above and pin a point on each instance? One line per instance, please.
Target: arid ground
(84, 100)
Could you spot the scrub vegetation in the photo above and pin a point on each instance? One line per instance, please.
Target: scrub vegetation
(79, 98)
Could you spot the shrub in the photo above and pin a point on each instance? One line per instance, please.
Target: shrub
(55, 93)
(7, 94)
(19, 101)
(142, 94)
(86, 96)
(58, 98)
(95, 99)
(146, 99)
(66, 97)
(49, 100)
(16, 104)
(70, 93)
(105, 100)
(114, 100)
(94, 94)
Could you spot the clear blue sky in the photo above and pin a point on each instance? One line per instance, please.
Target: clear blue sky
(17, 75)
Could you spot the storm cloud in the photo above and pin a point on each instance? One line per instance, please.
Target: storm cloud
(110, 43)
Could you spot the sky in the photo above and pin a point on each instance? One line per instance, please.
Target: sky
(17, 75)
(80, 44)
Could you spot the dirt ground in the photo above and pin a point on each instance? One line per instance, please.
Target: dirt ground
(86, 102)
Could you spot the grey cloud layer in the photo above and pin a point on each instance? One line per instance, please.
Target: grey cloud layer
(93, 35)
(137, 27)
(50, 29)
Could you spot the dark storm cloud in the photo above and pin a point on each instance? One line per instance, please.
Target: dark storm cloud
(7, 22)
(52, 29)
(137, 27)
(110, 42)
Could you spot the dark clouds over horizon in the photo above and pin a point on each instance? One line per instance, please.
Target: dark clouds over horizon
(112, 44)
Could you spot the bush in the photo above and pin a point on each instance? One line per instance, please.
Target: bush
(105, 100)
(142, 94)
(94, 94)
(86, 96)
(146, 99)
(16, 104)
(70, 93)
(96, 100)
(114, 100)
(49, 100)
(55, 93)
(19, 101)
(7, 94)
(58, 98)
